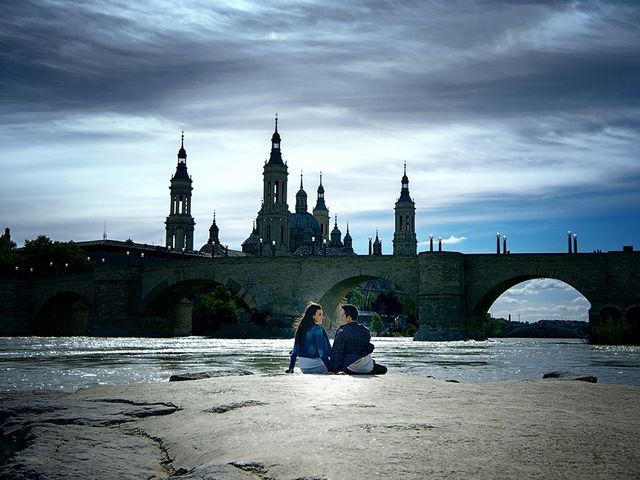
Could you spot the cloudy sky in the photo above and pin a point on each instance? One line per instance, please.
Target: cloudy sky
(514, 117)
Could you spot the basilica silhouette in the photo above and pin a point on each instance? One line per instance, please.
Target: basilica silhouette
(277, 231)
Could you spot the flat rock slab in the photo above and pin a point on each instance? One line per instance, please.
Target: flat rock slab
(570, 376)
(315, 427)
(181, 377)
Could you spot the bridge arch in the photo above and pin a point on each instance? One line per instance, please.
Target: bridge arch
(175, 287)
(609, 312)
(63, 314)
(493, 292)
(167, 310)
(332, 297)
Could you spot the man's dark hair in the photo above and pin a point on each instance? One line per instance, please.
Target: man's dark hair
(350, 311)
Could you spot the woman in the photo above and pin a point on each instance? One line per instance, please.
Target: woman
(311, 346)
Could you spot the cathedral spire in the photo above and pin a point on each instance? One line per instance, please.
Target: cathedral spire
(301, 198)
(321, 212)
(182, 153)
(404, 238)
(180, 224)
(336, 235)
(404, 192)
(276, 153)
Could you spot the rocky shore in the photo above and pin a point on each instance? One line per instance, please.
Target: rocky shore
(323, 427)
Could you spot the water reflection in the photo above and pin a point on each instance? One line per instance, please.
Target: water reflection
(68, 363)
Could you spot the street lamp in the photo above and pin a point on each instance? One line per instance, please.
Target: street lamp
(569, 240)
(273, 248)
(439, 244)
(498, 243)
(313, 245)
(431, 242)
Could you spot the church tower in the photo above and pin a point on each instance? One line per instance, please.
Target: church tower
(377, 245)
(348, 241)
(321, 213)
(404, 238)
(180, 223)
(273, 218)
(336, 236)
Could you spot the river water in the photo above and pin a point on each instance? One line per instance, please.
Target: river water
(69, 363)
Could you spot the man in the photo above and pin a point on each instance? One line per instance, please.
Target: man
(351, 351)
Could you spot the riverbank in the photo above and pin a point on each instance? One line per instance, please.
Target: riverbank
(325, 427)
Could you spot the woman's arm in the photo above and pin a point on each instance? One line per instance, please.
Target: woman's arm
(292, 359)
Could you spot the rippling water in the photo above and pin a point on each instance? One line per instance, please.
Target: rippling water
(69, 363)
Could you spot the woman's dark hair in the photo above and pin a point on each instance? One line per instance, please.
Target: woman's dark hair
(306, 322)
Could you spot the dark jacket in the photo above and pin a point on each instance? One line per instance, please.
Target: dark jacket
(352, 342)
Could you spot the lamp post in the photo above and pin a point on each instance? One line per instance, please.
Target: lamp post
(430, 242)
(324, 246)
(273, 248)
(498, 243)
(369, 245)
(439, 244)
(261, 245)
(575, 243)
(569, 240)
(313, 245)
(504, 244)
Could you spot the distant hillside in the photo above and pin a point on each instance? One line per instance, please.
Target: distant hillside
(500, 327)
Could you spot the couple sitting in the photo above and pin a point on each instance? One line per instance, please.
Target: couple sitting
(351, 351)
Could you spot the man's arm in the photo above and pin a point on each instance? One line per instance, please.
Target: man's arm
(323, 346)
(337, 352)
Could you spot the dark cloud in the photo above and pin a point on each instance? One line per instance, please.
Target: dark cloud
(553, 84)
(425, 61)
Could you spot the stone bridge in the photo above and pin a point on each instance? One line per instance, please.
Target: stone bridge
(452, 291)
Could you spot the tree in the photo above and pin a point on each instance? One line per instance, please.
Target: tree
(216, 308)
(387, 303)
(356, 298)
(376, 324)
(53, 258)
(8, 256)
(495, 327)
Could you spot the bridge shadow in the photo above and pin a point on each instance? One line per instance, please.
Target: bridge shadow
(64, 314)
(195, 307)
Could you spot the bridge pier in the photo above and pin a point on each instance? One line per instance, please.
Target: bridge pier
(441, 295)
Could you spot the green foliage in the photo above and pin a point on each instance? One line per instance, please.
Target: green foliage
(376, 324)
(387, 303)
(8, 255)
(611, 331)
(495, 327)
(214, 309)
(411, 330)
(356, 298)
(53, 258)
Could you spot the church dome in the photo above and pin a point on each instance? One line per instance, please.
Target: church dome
(301, 222)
